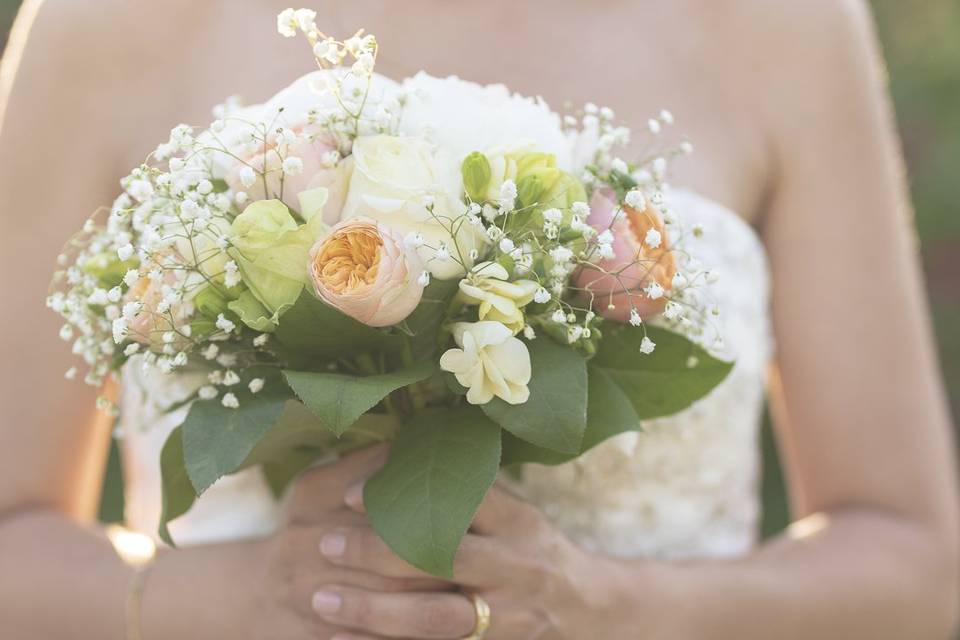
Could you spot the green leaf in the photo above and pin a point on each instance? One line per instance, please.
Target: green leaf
(440, 468)
(338, 400)
(555, 416)
(217, 439)
(426, 320)
(626, 386)
(298, 439)
(279, 475)
(313, 331)
(609, 413)
(177, 495)
(670, 379)
(295, 440)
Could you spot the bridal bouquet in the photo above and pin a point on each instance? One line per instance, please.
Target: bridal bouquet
(449, 267)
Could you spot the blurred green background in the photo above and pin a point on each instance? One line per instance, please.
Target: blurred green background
(922, 44)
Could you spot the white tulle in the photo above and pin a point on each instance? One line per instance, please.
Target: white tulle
(685, 486)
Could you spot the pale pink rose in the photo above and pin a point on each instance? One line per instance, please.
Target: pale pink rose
(364, 269)
(635, 263)
(313, 174)
(148, 326)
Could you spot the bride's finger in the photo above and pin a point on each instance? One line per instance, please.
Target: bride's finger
(444, 616)
(480, 562)
(322, 488)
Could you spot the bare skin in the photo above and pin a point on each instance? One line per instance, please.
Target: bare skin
(784, 101)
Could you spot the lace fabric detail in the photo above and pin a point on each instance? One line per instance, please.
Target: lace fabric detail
(685, 486)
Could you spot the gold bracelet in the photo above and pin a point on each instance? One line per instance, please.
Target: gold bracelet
(135, 603)
(138, 552)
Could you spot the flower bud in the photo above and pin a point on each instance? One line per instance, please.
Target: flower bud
(476, 176)
(210, 303)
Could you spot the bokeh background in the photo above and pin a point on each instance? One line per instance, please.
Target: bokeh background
(921, 41)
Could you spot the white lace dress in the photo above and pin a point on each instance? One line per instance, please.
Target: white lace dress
(686, 486)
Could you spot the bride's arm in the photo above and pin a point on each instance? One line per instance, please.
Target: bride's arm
(52, 444)
(862, 417)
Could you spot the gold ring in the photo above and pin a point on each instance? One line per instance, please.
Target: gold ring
(483, 617)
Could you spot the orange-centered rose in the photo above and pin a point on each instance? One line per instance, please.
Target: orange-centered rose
(364, 269)
(639, 274)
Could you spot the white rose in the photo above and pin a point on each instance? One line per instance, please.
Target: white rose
(490, 362)
(394, 178)
(463, 116)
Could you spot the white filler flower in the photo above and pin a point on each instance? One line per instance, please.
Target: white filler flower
(491, 362)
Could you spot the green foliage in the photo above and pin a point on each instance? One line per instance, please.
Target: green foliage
(427, 319)
(440, 468)
(218, 439)
(291, 443)
(663, 382)
(555, 416)
(338, 400)
(627, 387)
(313, 332)
(177, 494)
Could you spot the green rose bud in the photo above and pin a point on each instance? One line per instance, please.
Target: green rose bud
(476, 176)
(535, 160)
(210, 303)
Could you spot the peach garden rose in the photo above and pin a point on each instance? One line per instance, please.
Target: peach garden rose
(639, 275)
(364, 269)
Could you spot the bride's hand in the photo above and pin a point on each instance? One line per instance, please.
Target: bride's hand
(537, 582)
(288, 567)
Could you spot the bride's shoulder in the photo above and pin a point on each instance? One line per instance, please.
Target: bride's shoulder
(109, 35)
(789, 30)
(792, 54)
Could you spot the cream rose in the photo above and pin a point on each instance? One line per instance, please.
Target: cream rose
(364, 269)
(490, 362)
(394, 180)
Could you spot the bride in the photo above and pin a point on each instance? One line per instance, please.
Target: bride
(650, 535)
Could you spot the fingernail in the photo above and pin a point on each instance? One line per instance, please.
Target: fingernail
(354, 496)
(333, 545)
(326, 602)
